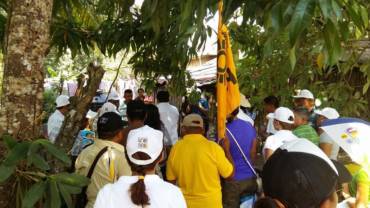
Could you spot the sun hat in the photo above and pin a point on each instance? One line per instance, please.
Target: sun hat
(244, 102)
(283, 114)
(329, 113)
(108, 107)
(62, 100)
(193, 120)
(304, 94)
(299, 174)
(146, 140)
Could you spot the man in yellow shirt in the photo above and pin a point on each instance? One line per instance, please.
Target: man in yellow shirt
(112, 164)
(196, 165)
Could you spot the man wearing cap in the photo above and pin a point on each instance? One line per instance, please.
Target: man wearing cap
(56, 120)
(302, 129)
(284, 124)
(196, 165)
(326, 143)
(299, 174)
(112, 162)
(306, 99)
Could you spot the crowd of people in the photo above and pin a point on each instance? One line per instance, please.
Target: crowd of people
(141, 154)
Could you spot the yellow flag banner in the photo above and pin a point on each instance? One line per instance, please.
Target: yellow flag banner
(228, 95)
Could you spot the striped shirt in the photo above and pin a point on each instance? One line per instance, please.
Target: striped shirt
(307, 132)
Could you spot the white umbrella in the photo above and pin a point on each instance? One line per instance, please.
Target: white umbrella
(351, 134)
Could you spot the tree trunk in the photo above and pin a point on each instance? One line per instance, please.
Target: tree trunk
(26, 45)
(80, 105)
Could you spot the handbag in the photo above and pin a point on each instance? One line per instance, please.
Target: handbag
(258, 178)
(81, 199)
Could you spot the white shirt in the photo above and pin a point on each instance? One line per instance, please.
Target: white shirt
(170, 118)
(273, 142)
(55, 122)
(243, 116)
(270, 129)
(324, 138)
(161, 194)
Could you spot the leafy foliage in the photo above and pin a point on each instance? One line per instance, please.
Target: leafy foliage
(26, 164)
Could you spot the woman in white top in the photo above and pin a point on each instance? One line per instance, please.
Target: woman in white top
(144, 149)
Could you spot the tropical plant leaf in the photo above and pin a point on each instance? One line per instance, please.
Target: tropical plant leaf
(66, 195)
(72, 179)
(6, 172)
(34, 194)
(17, 153)
(9, 141)
(38, 162)
(301, 18)
(56, 152)
(55, 200)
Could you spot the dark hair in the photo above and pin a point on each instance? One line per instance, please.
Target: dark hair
(163, 96)
(271, 100)
(286, 126)
(138, 194)
(302, 112)
(136, 110)
(152, 117)
(108, 135)
(140, 89)
(265, 202)
(128, 91)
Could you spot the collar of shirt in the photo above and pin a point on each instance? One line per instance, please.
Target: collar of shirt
(58, 113)
(115, 145)
(133, 179)
(193, 136)
(287, 134)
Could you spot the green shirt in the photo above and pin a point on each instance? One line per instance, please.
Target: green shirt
(360, 177)
(307, 132)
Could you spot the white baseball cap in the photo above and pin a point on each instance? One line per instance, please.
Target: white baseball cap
(62, 100)
(108, 107)
(284, 114)
(113, 96)
(146, 140)
(305, 94)
(244, 102)
(329, 113)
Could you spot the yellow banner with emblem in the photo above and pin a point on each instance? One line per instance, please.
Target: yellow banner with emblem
(228, 95)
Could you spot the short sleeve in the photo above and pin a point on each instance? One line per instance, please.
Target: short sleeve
(225, 168)
(363, 177)
(324, 138)
(170, 173)
(271, 143)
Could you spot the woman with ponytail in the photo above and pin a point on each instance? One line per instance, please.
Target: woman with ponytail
(143, 189)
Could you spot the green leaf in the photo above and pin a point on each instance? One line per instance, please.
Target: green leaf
(66, 195)
(34, 194)
(39, 162)
(276, 17)
(301, 19)
(292, 57)
(56, 152)
(54, 194)
(326, 8)
(364, 16)
(72, 179)
(19, 152)
(6, 172)
(72, 189)
(365, 88)
(9, 141)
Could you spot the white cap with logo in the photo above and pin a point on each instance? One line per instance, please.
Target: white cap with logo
(62, 100)
(146, 140)
(305, 94)
(329, 113)
(244, 102)
(284, 114)
(107, 107)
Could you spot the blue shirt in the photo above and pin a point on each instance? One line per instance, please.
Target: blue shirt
(245, 134)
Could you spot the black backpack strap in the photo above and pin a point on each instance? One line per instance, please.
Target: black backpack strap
(91, 170)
